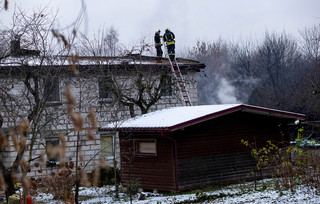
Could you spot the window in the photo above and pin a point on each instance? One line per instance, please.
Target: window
(104, 89)
(52, 151)
(52, 89)
(107, 150)
(5, 132)
(165, 85)
(145, 147)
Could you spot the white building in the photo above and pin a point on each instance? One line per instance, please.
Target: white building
(33, 87)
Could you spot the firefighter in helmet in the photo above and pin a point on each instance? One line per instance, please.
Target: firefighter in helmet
(158, 44)
(169, 38)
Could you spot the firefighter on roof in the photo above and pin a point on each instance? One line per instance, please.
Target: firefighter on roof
(169, 38)
(158, 44)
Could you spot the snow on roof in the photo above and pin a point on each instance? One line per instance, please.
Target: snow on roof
(184, 116)
(34, 60)
(60, 60)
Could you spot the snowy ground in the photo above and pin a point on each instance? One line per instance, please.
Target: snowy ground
(240, 193)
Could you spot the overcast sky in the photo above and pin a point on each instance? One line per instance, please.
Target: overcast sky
(190, 20)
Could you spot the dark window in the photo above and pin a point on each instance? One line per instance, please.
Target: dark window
(165, 86)
(52, 89)
(104, 89)
(107, 146)
(145, 147)
(5, 132)
(52, 145)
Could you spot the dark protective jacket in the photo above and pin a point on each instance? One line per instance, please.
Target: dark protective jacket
(169, 37)
(157, 40)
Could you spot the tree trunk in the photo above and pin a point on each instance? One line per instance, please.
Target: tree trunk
(76, 195)
(10, 183)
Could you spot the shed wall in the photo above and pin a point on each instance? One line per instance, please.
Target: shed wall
(212, 152)
(151, 172)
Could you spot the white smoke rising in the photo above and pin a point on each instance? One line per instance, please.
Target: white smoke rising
(226, 92)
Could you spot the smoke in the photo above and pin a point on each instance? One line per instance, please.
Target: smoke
(226, 93)
(217, 90)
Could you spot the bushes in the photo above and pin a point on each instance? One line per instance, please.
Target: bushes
(290, 166)
(61, 184)
(106, 176)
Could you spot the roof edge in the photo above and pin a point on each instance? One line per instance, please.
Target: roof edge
(238, 107)
(244, 108)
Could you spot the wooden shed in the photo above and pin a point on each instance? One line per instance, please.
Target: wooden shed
(185, 147)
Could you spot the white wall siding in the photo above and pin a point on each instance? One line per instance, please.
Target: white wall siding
(86, 92)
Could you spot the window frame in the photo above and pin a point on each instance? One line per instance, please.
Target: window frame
(112, 146)
(136, 143)
(166, 84)
(52, 162)
(104, 92)
(52, 84)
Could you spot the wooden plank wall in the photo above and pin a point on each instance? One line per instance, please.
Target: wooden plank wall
(153, 172)
(215, 169)
(211, 152)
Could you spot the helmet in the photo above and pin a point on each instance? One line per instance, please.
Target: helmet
(167, 29)
(158, 30)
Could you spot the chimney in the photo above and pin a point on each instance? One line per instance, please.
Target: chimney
(16, 50)
(15, 46)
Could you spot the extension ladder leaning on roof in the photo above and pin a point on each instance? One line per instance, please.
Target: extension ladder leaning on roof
(179, 79)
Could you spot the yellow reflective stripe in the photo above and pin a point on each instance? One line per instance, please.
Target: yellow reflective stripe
(170, 43)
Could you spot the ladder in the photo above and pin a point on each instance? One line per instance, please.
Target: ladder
(179, 79)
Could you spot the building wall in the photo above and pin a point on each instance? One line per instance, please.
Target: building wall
(212, 152)
(151, 172)
(39, 166)
(55, 119)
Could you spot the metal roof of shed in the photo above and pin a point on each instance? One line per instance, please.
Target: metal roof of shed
(180, 117)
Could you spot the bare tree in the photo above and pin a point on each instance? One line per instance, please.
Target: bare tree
(147, 88)
(311, 42)
(125, 83)
(275, 59)
(31, 89)
(215, 56)
(132, 84)
(243, 72)
(111, 40)
(26, 92)
(5, 47)
(104, 43)
(311, 49)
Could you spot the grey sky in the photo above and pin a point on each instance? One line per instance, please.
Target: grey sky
(189, 20)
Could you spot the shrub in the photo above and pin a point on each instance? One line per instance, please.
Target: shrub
(290, 165)
(132, 188)
(107, 176)
(60, 184)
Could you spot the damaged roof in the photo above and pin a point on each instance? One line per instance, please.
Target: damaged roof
(59, 60)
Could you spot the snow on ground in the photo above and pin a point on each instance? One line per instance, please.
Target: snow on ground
(240, 193)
